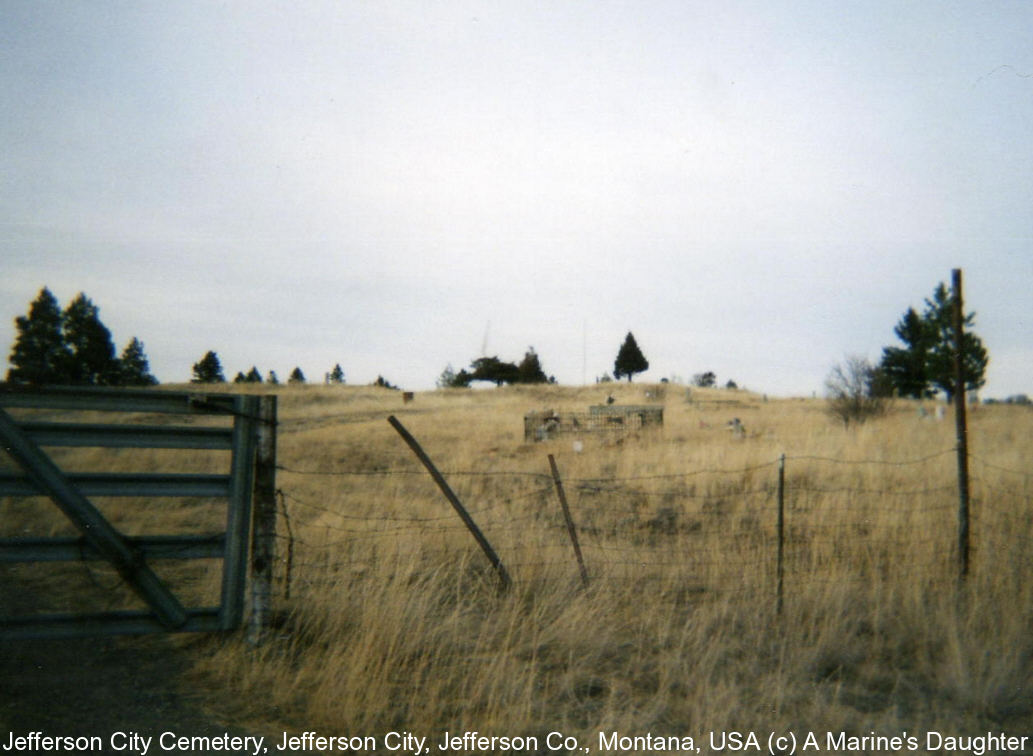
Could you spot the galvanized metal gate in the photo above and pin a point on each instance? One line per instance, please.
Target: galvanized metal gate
(24, 440)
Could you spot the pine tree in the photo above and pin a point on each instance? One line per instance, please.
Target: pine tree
(40, 355)
(253, 376)
(133, 365)
(92, 352)
(296, 376)
(530, 369)
(926, 362)
(336, 375)
(939, 313)
(630, 359)
(705, 380)
(208, 370)
(907, 368)
(447, 378)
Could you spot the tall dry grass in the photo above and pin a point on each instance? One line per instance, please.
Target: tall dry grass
(394, 620)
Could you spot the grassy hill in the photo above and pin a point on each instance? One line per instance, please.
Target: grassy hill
(392, 619)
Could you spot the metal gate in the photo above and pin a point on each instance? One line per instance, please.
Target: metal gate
(148, 419)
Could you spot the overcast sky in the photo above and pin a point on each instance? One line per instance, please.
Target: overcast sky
(753, 188)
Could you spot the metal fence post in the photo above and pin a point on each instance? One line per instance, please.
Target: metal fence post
(263, 524)
(235, 565)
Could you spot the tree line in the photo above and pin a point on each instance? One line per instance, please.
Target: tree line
(629, 361)
(72, 347)
(209, 370)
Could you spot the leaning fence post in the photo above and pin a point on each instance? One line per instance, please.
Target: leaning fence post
(780, 568)
(263, 524)
(504, 581)
(569, 520)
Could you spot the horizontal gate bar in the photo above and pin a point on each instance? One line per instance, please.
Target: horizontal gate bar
(126, 484)
(76, 549)
(204, 620)
(117, 400)
(128, 436)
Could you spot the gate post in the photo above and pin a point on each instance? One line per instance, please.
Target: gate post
(263, 526)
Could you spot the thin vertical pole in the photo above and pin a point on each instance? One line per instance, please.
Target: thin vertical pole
(780, 569)
(289, 566)
(569, 520)
(504, 581)
(961, 424)
(242, 482)
(263, 524)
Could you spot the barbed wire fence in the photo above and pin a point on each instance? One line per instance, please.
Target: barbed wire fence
(704, 532)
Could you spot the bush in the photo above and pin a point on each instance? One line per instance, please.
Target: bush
(852, 393)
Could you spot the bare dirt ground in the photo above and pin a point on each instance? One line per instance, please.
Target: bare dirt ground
(99, 686)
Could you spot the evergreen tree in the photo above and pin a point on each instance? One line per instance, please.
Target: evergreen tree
(449, 378)
(253, 376)
(907, 368)
(926, 362)
(530, 369)
(296, 376)
(336, 375)
(495, 370)
(208, 370)
(92, 352)
(939, 313)
(40, 355)
(705, 380)
(133, 365)
(273, 379)
(240, 377)
(630, 359)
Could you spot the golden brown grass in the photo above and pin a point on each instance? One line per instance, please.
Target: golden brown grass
(394, 620)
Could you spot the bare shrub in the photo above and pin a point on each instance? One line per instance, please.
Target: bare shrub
(851, 389)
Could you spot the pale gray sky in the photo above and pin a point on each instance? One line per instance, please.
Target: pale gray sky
(752, 188)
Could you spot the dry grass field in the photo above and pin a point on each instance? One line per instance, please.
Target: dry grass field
(392, 618)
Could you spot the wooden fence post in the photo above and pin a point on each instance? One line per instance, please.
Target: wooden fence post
(263, 524)
(504, 581)
(961, 425)
(569, 520)
(780, 568)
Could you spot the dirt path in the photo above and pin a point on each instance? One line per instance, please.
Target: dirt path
(100, 686)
